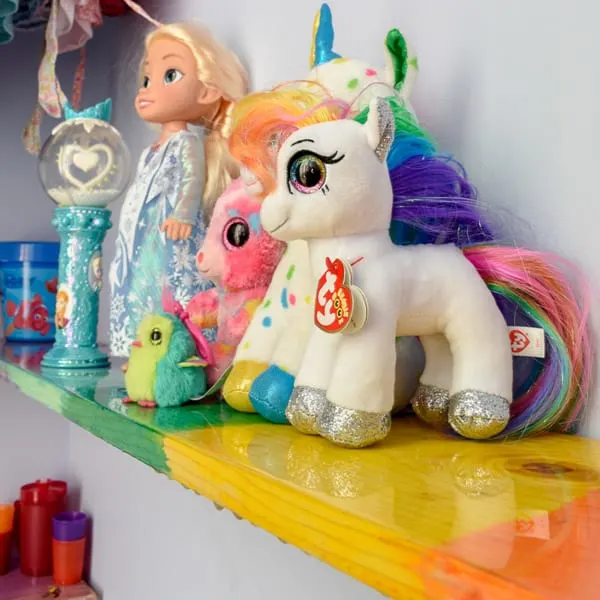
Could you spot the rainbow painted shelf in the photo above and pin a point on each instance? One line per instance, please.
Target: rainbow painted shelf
(418, 517)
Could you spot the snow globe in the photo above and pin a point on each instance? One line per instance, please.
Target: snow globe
(84, 165)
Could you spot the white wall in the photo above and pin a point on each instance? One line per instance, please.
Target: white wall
(34, 443)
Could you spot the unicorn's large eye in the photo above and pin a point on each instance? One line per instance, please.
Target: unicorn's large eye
(236, 233)
(307, 173)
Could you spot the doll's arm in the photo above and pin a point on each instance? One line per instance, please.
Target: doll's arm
(203, 309)
(188, 202)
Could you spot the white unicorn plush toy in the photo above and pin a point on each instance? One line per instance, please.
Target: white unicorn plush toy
(269, 355)
(356, 81)
(333, 189)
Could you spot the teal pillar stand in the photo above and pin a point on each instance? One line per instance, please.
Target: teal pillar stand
(82, 230)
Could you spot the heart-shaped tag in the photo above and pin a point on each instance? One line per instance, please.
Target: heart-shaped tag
(340, 306)
(86, 159)
(518, 341)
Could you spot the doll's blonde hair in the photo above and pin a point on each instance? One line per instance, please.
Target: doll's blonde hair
(219, 68)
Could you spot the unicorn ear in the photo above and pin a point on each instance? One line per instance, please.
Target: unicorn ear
(252, 185)
(380, 127)
(401, 63)
(321, 51)
(396, 58)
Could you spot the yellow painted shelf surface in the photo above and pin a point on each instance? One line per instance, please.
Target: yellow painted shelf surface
(420, 516)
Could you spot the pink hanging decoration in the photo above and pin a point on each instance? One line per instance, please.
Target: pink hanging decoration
(51, 98)
(140, 11)
(78, 81)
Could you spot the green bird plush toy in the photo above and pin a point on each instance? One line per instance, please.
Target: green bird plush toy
(168, 360)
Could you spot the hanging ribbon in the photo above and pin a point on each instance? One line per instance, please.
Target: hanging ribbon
(78, 81)
(51, 97)
(140, 11)
(50, 94)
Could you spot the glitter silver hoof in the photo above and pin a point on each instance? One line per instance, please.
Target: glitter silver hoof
(430, 404)
(478, 415)
(353, 428)
(304, 408)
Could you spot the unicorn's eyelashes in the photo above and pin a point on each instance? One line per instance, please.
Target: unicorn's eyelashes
(307, 171)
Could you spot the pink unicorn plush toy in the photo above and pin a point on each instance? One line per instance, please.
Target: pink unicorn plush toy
(240, 257)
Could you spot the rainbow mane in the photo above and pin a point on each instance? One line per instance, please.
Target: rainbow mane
(531, 287)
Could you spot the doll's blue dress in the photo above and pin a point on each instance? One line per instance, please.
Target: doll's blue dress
(169, 182)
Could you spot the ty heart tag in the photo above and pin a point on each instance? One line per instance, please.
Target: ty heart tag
(340, 306)
(527, 341)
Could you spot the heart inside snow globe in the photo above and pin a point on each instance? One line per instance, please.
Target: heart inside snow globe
(85, 161)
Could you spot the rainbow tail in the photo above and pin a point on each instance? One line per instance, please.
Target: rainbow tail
(532, 289)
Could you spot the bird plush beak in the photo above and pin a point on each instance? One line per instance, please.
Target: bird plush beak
(136, 344)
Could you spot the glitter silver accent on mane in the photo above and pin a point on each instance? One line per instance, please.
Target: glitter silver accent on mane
(385, 122)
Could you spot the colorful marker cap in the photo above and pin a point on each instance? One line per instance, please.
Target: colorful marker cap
(69, 526)
(43, 492)
(7, 512)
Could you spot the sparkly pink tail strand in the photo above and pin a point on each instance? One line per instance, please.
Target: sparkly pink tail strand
(171, 306)
(537, 285)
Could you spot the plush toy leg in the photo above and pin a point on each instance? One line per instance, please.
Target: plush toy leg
(292, 292)
(431, 399)
(270, 394)
(361, 392)
(482, 378)
(253, 355)
(309, 396)
(409, 367)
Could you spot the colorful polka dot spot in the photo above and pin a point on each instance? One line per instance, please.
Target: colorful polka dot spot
(370, 72)
(292, 299)
(353, 83)
(267, 322)
(284, 298)
(246, 345)
(308, 299)
(267, 304)
(290, 272)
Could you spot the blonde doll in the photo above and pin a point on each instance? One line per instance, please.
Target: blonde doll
(187, 78)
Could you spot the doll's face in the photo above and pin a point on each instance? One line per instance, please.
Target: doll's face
(171, 89)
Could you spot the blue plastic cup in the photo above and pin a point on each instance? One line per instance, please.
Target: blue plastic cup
(29, 281)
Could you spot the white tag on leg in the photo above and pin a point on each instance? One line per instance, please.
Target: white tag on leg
(527, 341)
